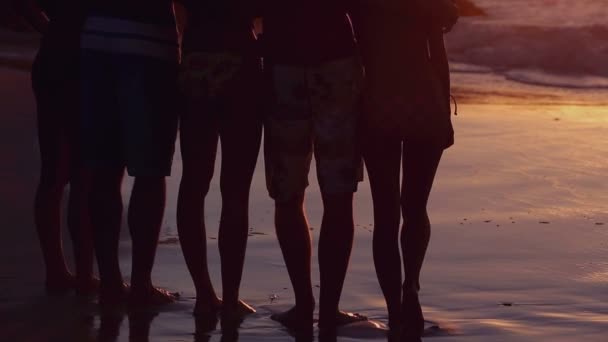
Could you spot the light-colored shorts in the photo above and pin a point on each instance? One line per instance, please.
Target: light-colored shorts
(313, 109)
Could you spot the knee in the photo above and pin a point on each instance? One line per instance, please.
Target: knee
(149, 181)
(338, 206)
(235, 193)
(54, 177)
(415, 216)
(195, 177)
(51, 185)
(414, 211)
(290, 206)
(193, 184)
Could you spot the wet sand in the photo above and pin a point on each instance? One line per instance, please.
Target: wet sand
(519, 248)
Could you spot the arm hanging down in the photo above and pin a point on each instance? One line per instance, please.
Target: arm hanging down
(439, 60)
(444, 15)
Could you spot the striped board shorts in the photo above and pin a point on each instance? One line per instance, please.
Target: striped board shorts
(122, 36)
(129, 101)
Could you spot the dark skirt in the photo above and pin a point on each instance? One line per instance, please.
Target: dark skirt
(407, 89)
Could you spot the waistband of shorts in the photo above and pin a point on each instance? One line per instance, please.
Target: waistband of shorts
(122, 36)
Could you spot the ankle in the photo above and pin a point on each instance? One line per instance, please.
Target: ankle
(307, 305)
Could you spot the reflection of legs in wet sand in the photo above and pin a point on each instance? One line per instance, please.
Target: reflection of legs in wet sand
(204, 325)
(139, 326)
(383, 159)
(109, 327)
(206, 120)
(58, 114)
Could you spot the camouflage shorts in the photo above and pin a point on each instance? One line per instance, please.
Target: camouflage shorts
(313, 109)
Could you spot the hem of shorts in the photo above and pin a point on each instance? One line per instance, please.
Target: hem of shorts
(139, 172)
(344, 191)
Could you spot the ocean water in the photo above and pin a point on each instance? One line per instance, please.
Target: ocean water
(556, 43)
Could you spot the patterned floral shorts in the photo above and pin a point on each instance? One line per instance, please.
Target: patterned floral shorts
(313, 109)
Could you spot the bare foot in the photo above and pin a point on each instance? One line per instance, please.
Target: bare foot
(344, 318)
(341, 319)
(295, 320)
(207, 308)
(233, 317)
(413, 319)
(59, 285)
(245, 309)
(150, 298)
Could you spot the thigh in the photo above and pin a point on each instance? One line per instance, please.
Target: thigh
(420, 163)
(382, 157)
(241, 133)
(148, 98)
(288, 135)
(198, 135)
(100, 127)
(240, 144)
(56, 86)
(336, 110)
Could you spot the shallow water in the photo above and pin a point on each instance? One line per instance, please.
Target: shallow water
(549, 42)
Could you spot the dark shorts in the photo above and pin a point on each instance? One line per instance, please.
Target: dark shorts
(222, 85)
(222, 101)
(56, 85)
(314, 109)
(129, 112)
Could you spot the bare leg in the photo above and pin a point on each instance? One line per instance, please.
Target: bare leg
(146, 210)
(240, 148)
(419, 169)
(79, 224)
(198, 147)
(294, 238)
(106, 216)
(47, 214)
(383, 161)
(335, 245)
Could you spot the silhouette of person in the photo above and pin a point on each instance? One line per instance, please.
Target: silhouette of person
(220, 80)
(406, 125)
(129, 71)
(310, 62)
(56, 82)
